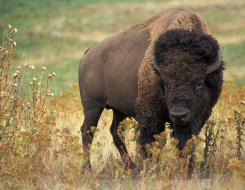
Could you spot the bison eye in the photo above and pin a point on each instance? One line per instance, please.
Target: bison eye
(161, 84)
(199, 85)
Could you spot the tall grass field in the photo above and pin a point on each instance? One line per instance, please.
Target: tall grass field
(41, 112)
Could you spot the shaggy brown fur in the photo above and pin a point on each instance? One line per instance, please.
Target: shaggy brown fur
(183, 57)
(151, 105)
(157, 25)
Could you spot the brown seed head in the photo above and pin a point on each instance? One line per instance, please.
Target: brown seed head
(27, 65)
(15, 30)
(235, 109)
(32, 67)
(15, 75)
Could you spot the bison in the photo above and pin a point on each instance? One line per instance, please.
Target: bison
(165, 69)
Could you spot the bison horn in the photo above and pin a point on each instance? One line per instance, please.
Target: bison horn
(155, 64)
(214, 66)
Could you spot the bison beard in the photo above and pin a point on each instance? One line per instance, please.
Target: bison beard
(184, 133)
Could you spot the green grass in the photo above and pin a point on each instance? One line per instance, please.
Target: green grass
(218, 16)
(234, 57)
(56, 33)
(234, 53)
(66, 74)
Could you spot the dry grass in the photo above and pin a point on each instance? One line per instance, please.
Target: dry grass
(40, 145)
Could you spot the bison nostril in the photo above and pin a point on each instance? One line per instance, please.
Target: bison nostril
(184, 116)
(179, 115)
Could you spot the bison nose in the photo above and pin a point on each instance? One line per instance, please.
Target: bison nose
(180, 115)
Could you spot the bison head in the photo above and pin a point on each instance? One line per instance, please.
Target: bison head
(189, 75)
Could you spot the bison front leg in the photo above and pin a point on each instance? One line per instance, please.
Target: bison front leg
(117, 118)
(148, 127)
(144, 139)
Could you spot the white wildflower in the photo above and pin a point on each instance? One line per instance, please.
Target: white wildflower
(32, 67)
(34, 78)
(53, 74)
(15, 44)
(51, 94)
(9, 26)
(44, 68)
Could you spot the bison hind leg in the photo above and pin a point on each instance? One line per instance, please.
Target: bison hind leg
(91, 118)
(117, 118)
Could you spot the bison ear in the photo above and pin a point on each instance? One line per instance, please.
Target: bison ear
(155, 66)
(215, 65)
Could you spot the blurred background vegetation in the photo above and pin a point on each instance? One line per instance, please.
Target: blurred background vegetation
(55, 34)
